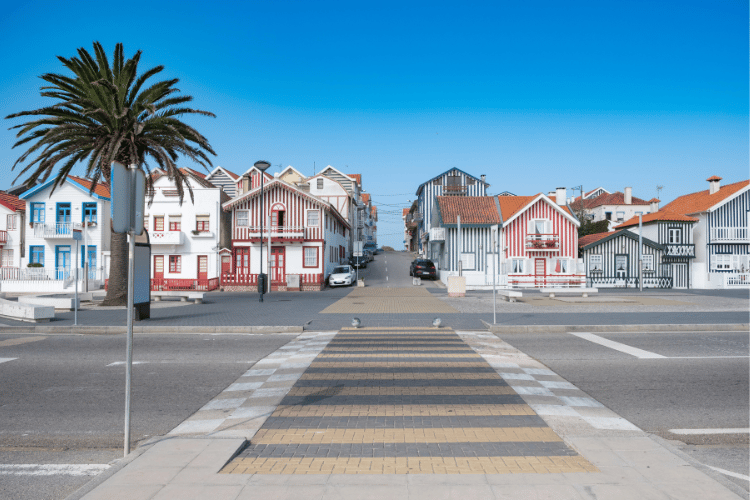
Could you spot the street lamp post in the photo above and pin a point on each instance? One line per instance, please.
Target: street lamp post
(262, 166)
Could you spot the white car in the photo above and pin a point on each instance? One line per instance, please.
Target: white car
(341, 276)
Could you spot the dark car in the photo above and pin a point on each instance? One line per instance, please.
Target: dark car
(423, 268)
(358, 262)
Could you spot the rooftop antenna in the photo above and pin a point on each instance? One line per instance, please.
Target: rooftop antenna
(659, 187)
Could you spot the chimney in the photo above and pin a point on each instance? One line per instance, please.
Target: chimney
(628, 195)
(483, 177)
(552, 195)
(654, 205)
(714, 183)
(561, 195)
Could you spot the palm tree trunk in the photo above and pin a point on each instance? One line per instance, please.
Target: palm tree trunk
(117, 291)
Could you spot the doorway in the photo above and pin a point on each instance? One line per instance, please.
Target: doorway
(278, 257)
(62, 261)
(158, 267)
(679, 276)
(63, 218)
(203, 267)
(540, 271)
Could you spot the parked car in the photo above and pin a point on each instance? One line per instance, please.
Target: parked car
(341, 276)
(423, 268)
(368, 255)
(358, 262)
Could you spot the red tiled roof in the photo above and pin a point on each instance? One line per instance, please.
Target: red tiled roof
(12, 202)
(714, 178)
(231, 174)
(702, 200)
(472, 209)
(405, 211)
(591, 238)
(102, 188)
(366, 197)
(663, 214)
(511, 205)
(654, 200)
(356, 177)
(617, 198)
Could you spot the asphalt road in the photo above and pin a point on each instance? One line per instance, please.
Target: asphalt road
(62, 399)
(700, 384)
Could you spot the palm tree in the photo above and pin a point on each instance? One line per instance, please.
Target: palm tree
(104, 114)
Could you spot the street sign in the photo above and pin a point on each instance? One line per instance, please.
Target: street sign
(128, 199)
(358, 248)
(77, 234)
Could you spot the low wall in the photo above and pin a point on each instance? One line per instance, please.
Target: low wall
(45, 286)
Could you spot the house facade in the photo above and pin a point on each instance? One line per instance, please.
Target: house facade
(303, 238)
(12, 223)
(52, 220)
(614, 207)
(722, 257)
(186, 237)
(453, 182)
(224, 179)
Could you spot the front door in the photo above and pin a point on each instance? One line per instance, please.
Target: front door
(278, 274)
(63, 218)
(158, 267)
(226, 264)
(62, 262)
(90, 254)
(540, 270)
(621, 267)
(203, 267)
(242, 260)
(679, 276)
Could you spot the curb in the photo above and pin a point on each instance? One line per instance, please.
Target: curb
(117, 330)
(518, 329)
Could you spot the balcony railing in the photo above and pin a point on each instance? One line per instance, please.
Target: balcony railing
(166, 237)
(454, 190)
(238, 278)
(60, 230)
(546, 280)
(280, 232)
(167, 284)
(729, 235)
(683, 250)
(736, 280)
(594, 281)
(3, 237)
(543, 242)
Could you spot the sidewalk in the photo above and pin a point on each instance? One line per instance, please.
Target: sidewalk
(439, 414)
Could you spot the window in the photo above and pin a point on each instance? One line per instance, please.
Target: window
(437, 182)
(516, 266)
(596, 263)
(720, 262)
(202, 223)
(11, 223)
(638, 213)
(467, 261)
(620, 215)
(175, 221)
(608, 215)
(470, 181)
(89, 212)
(320, 183)
(561, 265)
(36, 255)
(158, 223)
(311, 257)
(313, 218)
(242, 218)
(37, 213)
(648, 262)
(175, 263)
(7, 258)
(675, 236)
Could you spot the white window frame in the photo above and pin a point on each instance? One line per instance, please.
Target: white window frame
(596, 267)
(307, 218)
(648, 262)
(242, 218)
(620, 215)
(468, 261)
(12, 222)
(517, 266)
(721, 261)
(674, 231)
(320, 183)
(312, 254)
(564, 265)
(7, 258)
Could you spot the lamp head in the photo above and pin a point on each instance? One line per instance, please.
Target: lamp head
(262, 165)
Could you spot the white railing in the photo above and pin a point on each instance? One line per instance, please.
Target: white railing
(165, 237)
(684, 250)
(728, 234)
(296, 232)
(47, 274)
(736, 280)
(63, 230)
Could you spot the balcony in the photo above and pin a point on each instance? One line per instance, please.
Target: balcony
(683, 250)
(729, 235)
(61, 230)
(166, 237)
(454, 190)
(543, 242)
(3, 237)
(277, 232)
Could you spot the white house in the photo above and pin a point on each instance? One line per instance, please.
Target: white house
(615, 207)
(53, 218)
(12, 220)
(186, 238)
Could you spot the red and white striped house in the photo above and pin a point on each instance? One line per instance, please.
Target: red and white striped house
(308, 237)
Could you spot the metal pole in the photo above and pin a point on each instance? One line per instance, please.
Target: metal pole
(262, 211)
(129, 350)
(640, 252)
(75, 315)
(494, 275)
(460, 246)
(85, 255)
(268, 257)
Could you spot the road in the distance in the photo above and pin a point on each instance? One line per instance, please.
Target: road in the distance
(700, 383)
(390, 269)
(62, 397)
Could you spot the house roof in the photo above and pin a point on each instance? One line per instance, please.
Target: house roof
(591, 238)
(365, 197)
(472, 209)
(356, 177)
(661, 215)
(617, 198)
(616, 234)
(511, 205)
(405, 211)
(102, 189)
(419, 189)
(187, 172)
(12, 202)
(703, 201)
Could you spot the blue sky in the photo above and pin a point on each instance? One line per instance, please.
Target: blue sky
(533, 94)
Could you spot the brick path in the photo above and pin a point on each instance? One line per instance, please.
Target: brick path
(403, 401)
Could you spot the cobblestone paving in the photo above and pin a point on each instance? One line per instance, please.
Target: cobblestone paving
(414, 300)
(403, 401)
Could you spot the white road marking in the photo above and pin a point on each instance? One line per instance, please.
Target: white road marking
(708, 357)
(5, 360)
(386, 278)
(729, 473)
(710, 431)
(116, 363)
(52, 469)
(617, 346)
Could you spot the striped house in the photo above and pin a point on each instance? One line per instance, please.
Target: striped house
(308, 237)
(224, 179)
(722, 256)
(674, 233)
(453, 182)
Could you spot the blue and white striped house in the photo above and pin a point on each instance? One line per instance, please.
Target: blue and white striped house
(453, 182)
(722, 256)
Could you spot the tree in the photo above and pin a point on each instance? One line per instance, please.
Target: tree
(104, 114)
